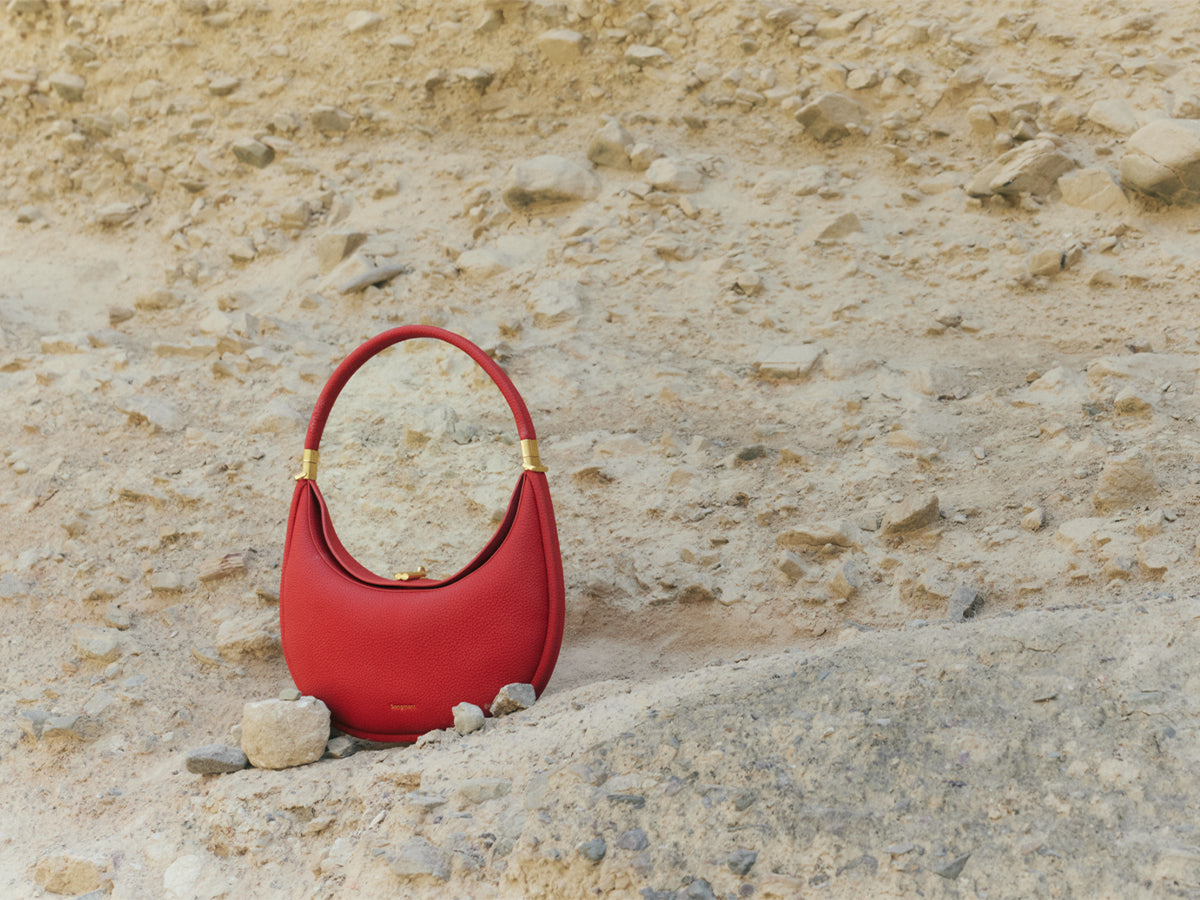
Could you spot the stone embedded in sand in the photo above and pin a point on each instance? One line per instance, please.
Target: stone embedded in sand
(834, 227)
(594, 850)
(69, 87)
(914, 514)
(561, 45)
(548, 180)
(512, 698)
(611, 145)
(643, 57)
(417, 857)
(100, 644)
(277, 734)
(1114, 114)
(362, 20)
(820, 534)
(1125, 481)
(793, 362)
(253, 153)
(115, 213)
(467, 718)
(666, 174)
(161, 415)
(330, 119)
(66, 873)
(334, 246)
(481, 790)
(832, 116)
(1092, 189)
(963, 604)
(1162, 159)
(1032, 168)
(215, 759)
(251, 636)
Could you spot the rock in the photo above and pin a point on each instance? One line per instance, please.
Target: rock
(666, 174)
(195, 877)
(1034, 520)
(69, 87)
(71, 728)
(467, 718)
(216, 759)
(330, 119)
(821, 534)
(1162, 159)
(794, 362)
(250, 636)
(1032, 168)
(341, 747)
(513, 698)
(833, 227)
(417, 857)
(1045, 262)
(1093, 189)
(115, 213)
(963, 604)
(914, 514)
(555, 303)
(833, 116)
(66, 873)
(99, 644)
(742, 861)
(482, 262)
(1114, 115)
(334, 246)
(362, 20)
(952, 869)
(227, 566)
(277, 734)
(611, 145)
(291, 694)
(371, 275)
(642, 57)
(634, 839)
(1125, 481)
(791, 565)
(594, 850)
(481, 790)
(1129, 402)
(847, 580)
(159, 414)
(253, 153)
(166, 582)
(561, 45)
(548, 180)
(224, 85)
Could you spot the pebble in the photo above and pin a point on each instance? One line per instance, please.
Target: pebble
(513, 698)
(555, 303)
(674, 175)
(417, 857)
(216, 759)
(227, 566)
(594, 850)
(820, 534)
(362, 20)
(481, 790)
(641, 56)
(1093, 189)
(548, 180)
(963, 604)
(833, 116)
(330, 119)
(341, 747)
(224, 85)
(115, 213)
(253, 153)
(789, 362)
(1162, 159)
(99, 644)
(166, 582)
(561, 45)
(1130, 402)
(249, 636)
(634, 839)
(742, 861)
(1034, 520)
(372, 275)
(335, 246)
(914, 514)
(278, 734)
(69, 87)
(467, 718)
(1032, 168)
(952, 869)
(66, 873)
(611, 146)
(833, 227)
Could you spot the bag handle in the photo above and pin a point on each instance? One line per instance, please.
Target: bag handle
(531, 461)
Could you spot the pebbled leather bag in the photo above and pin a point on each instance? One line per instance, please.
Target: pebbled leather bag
(390, 657)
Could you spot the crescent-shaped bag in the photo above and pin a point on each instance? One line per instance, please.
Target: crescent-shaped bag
(390, 658)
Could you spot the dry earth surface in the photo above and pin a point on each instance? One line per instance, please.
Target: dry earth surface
(863, 348)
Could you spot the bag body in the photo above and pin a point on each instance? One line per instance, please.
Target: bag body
(390, 658)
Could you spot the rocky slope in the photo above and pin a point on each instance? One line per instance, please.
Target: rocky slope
(834, 323)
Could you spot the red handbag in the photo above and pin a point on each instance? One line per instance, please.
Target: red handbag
(390, 658)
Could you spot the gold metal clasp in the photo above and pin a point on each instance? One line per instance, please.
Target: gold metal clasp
(308, 466)
(530, 458)
(409, 576)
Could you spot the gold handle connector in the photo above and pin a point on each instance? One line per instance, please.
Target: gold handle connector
(308, 466)
(409, 576)
(530, 458)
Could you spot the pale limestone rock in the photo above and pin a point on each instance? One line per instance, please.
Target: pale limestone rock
(252, 636)
(794, 362)
(215, 759)
(417, 857)
(253, 153)
(555, 303)
(548, 180)
(66, 873)
(676, 175)
(116, 213)
(1032, 168)
(482, 262)
(643, 57)
(278, 734)
(820, 534)
(561, 45)
(834, 227)
(914, 514)
(1126, 480)
(195, 877)
(334, 246)
(1114, 115)
(100, 644)
(1130, 402)
(1093, 189)
(512, 698)
(330, 119)
(611, 146)
(68, 86)
(467, 718)
(362, 20)
(481, 790)
(832, 116)
(1162, 159)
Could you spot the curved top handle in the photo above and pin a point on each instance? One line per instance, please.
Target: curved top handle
(353, 362)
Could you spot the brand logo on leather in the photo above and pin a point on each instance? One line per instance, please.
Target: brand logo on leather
(399, 707)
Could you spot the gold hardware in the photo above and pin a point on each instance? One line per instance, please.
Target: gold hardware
(308, 466)
(409, 576)
(530, 458)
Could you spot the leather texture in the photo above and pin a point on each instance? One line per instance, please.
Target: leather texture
(390, 659)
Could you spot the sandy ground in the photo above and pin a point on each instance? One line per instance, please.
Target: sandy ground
(801, 382)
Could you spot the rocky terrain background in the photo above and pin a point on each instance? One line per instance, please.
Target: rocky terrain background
(861, 343)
